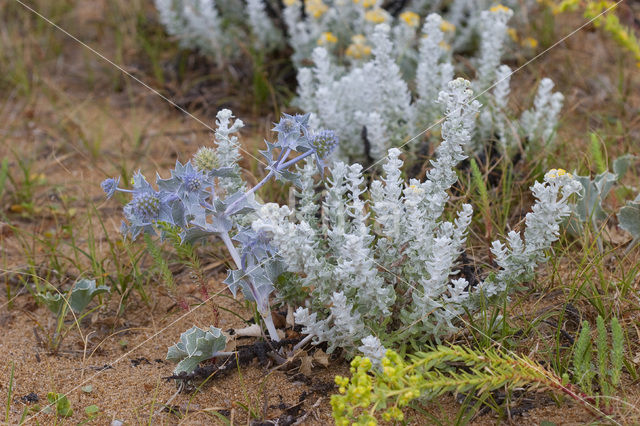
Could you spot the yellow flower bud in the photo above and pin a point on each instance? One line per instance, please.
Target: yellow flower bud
(446, 26)
(530, 42)
(315, 8)
(377, 16)
(499, 8)
(412, 19)
(327, 37)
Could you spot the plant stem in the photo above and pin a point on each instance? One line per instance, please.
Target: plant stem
(295, 160)
(232, 249)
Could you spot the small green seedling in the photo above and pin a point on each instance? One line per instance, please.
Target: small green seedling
(61, 403)
(78, 298)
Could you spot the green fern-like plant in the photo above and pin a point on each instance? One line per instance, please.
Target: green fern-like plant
(397, 382)
(610, 358)
(582, 354)
(160, 262)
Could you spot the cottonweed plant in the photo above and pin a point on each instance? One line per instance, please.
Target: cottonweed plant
(371, 107)
(426, 375)
(208, 197)
(382, 261)
(343, 27)
(215, 28)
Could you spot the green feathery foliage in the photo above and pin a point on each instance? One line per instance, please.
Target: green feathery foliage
(596, 154)
(582, 371)
(617, 353)
(481, 187)
(602, 347)
(428, 375)
(160, 262)
(186, 252)
(610, 358)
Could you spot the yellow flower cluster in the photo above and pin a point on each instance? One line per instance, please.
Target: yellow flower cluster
(446, 26)
(315, 8)
(290, 3)
(556, 173)
(366, 3)
(358, 48)
(410, 18)
(499, 8)
(530, 42)
(377, 15)
(326, 38)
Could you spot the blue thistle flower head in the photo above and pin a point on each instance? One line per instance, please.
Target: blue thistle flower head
(186, 181)
(324, 143)
(110, 186)
(144, 208)
(292, 128)
(147, 207)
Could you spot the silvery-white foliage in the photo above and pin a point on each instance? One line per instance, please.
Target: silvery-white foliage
(372, 348)
(386, 263)
(371, 101)
(493, 34)
(215, 27)
(519, 257)
(539, 123)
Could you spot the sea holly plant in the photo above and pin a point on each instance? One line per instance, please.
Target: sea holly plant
(77, 299)
(196, 345)
(589, 209)
(382, 265)
(207, 197)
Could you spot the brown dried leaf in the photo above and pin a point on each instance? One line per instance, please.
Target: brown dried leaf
(306, 365)
(321, 358)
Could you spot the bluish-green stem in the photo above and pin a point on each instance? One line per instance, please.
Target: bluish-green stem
(279, 165)
(263, 309)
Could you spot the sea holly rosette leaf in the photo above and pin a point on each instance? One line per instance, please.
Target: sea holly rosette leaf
(54, 301)
(81, 295)
(83, 292)
(629, 220)
(195, 346)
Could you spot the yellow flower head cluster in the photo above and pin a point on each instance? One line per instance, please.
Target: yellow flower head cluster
(530, 42)
(500, 8)
(315, 8)
(327, 38)
(358, 48)
(290, 3)
(513, 34)
(366, 3)
(414, 189)
(412, 19)
(377, 15)
(556, 173)
(446, 26)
